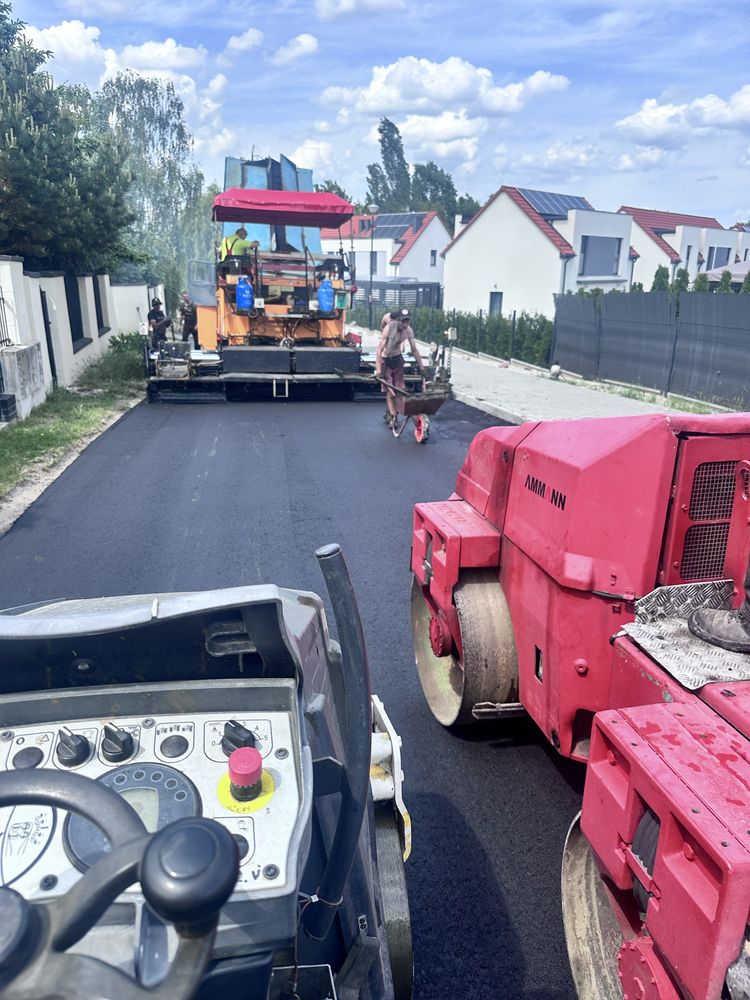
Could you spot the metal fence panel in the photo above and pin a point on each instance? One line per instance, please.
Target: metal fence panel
(636, 338)
(712, 353)
(397, 294)
(576, 334)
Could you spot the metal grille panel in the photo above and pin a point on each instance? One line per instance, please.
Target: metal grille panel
(704, 551)
(325, 360)
(712, 496)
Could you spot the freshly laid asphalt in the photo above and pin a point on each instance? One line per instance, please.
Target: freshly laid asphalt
(193, 497)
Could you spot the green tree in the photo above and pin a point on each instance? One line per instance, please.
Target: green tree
(467, 206)
(637, 286)
(725, 282)
(745, 286)
(62, 181)
(197, 232)
(333, 187)
(681, 280)
(389, 185)
(148, 117)
(661, 279)
(432, 189)
(701, 282)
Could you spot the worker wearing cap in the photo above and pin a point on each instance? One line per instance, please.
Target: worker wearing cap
(158, 323)
(389, 360)
(237, 244)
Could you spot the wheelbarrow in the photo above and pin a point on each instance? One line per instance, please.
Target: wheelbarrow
(418, 407)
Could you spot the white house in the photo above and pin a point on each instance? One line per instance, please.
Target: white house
(402, 245)
(526, 246)
(675, 241)
(742, 246)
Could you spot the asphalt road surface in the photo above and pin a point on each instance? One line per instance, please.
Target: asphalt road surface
(193, 497)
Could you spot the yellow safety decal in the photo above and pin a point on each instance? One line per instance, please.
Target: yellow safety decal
(227, 800)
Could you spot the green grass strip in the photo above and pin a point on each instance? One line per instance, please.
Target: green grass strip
(68, 416)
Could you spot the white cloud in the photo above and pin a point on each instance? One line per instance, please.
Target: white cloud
(295, 48)
(238, 44)
(162, 55)
(72, 43)
(313, 154)
(576, 154)
(671, 124)
(451, 135)
(425, 130)
(644, 158)
(335, 8)
(419, 85)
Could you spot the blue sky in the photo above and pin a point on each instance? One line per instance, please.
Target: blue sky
(645, 102)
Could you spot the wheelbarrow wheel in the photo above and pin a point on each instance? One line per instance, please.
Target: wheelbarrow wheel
(421, 428)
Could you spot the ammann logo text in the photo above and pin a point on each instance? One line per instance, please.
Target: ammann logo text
(539, 488)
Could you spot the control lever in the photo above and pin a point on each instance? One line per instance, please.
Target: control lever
(187, 872)
(357, 728)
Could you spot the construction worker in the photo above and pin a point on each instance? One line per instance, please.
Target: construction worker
(189, 315)
(237, 244)
(389, 361)
(158, 323)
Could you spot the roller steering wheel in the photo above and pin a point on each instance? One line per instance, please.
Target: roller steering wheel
(187, 872)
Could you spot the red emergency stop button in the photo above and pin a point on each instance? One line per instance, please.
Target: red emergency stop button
(245, 773)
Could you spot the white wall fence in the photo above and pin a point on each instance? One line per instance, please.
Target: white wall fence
(53, 325)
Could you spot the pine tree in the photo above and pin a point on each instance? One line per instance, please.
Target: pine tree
(725, 282)
(701, 282)
(681, 280)
(661, 279)
(389, 186)
(745, 286)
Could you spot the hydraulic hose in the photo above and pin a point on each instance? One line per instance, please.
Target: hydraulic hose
(357, 730)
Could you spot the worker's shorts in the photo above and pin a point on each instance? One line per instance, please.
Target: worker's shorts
(394, 377)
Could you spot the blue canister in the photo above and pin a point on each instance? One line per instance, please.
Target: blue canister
(325, 296)
(245, 294)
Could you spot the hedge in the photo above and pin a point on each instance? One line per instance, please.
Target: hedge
(532, 338)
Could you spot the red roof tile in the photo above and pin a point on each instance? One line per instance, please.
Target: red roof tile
(410, 237)
(653, 223)
(566, 250)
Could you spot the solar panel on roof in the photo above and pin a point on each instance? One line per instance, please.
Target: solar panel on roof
(553, 206)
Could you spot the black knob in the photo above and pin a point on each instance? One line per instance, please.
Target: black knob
(117, 744)
(28, 757)
(235, 736)
(189, 870)
(174, 746)
(72, 748)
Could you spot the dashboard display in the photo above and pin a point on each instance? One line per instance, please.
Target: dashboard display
(145, 801)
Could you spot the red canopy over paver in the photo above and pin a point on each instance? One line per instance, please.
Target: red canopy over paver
(285, 208)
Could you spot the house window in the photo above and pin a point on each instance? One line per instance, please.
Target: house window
(496, 303)
(433, 258)
(600, 255)
(721, 257)
(745, 257)
(710, 259)
(687, 253)
(374, 262)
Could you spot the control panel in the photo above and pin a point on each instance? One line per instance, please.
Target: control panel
(242, 770)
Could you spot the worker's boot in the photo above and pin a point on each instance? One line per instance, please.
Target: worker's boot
(728, 629)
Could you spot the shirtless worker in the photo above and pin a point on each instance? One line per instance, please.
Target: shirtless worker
(389, 359)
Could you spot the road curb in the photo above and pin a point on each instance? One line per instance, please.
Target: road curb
(494, 411)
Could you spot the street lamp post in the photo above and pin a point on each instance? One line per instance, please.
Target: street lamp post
(372, 209)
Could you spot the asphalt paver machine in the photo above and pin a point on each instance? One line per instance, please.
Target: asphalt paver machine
(199, 797)
(558, 581)
(271, 321)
